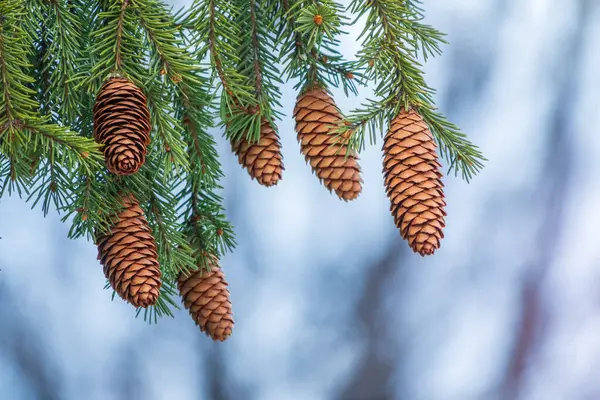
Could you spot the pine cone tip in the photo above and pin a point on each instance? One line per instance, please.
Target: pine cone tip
(263, 159)
(206, 297)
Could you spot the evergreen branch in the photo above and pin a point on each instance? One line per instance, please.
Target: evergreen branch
(156, 196)
(94, 203)
(51, 186)
(117, 46)
(202, 153)
(60, 42)
(22, 129)
(167, 140)
(255, 51)
(212, 45)
(192, 101)
(392, 38)
(17, 101)
(257, 64)
(119, 34)
(214, 22)
(197, 199)
(55, 55)
(176, 62)
(310, 47)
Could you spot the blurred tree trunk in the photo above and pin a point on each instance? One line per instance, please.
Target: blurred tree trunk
(373, 379)
(24, 347)
(554, 187)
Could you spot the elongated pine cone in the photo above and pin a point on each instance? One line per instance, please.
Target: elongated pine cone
(263, 160)
(122, 125)
(128, 255)
(206, 296)
(413, 182)
(316, 117)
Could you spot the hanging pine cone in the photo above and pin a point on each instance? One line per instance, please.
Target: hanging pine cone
(263, 160)
(128, 254)
(122, 125)
(316, 117)
(206, 296)
(413, 182)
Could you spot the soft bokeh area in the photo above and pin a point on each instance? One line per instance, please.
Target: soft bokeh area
(329, 302)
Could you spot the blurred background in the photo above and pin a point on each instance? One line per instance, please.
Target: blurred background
(329, 301)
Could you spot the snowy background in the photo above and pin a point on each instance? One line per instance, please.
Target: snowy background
(329, 302)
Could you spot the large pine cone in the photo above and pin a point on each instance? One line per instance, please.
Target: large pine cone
(413, 182)
(206, 296)
(122, 125)
(317, 117)
(263, 160)
(128, 254)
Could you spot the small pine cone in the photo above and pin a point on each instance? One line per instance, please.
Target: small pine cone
(206, 296)
(316, 117)
(128, 254)
(122, 125)
(263, 160)
(413, 182)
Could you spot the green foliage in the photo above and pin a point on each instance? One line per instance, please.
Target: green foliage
(310, 50)
(38, 158)
(393, 38)
(217, 58)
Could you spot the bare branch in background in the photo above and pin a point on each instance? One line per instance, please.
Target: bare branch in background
(554, 187)
(220, 384)
(26, 350)
(126, 377)
(376, 370)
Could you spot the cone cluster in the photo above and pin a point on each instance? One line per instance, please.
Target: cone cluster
(128, 251)
(413, 182)
(128, 255)
(262, 159)
(206, 296)
(122, 125)
(317, 117)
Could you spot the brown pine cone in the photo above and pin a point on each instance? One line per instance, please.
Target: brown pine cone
(316, 117)
(263, 160)
(122, 125)
(128, 254)
(413, 182)
(206, 296)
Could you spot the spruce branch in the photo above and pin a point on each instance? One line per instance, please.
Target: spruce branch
(258, 66)
(119, 35)
(94, 203)
(214, 26)
(192, 107)
(258, 79)
(392, 38)
(117, 46)
(198, 201)
(58, 39)
(175, 62)
(56, 55)
(310, 47)
(23, 132)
